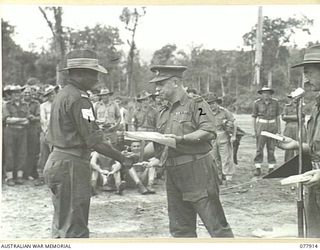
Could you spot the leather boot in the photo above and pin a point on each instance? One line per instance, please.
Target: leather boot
(10, 182)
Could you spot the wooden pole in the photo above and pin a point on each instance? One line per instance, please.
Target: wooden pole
(258, 55)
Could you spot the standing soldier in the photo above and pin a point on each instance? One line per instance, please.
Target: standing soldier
(33, 134)
(311, 68)
(289, 116)
(16, 120)
(145, 116)
(266, 117)
(73, 133)
(226, 132)
(5, 99)
(45, 111)
(108, 112)
(108, 115)
(192, 182)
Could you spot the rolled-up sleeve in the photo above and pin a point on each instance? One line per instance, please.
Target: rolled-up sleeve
(204, 117)
(255, 110)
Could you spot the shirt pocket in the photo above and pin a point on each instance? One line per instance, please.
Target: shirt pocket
(262, 110)
(182, 124)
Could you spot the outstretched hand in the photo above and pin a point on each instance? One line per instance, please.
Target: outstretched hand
(178, 138)
(315, 179)
(288, 144)
(129, 158)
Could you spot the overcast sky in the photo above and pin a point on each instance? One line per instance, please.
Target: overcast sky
(215, 27)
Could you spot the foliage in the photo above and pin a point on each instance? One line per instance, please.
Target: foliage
(18, 65)
(277, 36)
(131, 20)
(104, 40)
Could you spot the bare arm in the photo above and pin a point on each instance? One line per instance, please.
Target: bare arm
(255, 125)
(149, 151)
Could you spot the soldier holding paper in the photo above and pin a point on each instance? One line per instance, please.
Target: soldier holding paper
(311, 68)
(192, 181)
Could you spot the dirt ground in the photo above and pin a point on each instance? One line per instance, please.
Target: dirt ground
(250, 204)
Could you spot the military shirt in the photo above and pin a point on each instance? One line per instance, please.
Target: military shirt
(313, 131)
(146, 119)
(265, 110)
(184, 117)
(19, 109)
(107, 113)
(224, 119)
(34, 109)
(290, 109)
(72, 120)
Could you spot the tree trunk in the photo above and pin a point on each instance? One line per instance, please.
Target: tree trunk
(58, 39)
(258, 56)
(222, 86)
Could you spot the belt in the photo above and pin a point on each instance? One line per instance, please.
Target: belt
(184, 159)
(260, 120)
(80, 152)
(16, 126)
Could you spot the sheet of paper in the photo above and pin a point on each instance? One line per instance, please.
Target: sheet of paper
(273, 136)
(151, 136)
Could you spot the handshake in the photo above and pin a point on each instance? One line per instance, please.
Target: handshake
(129, 158)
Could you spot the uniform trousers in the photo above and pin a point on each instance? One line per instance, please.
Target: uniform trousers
(16, 149)
(33, 150)
(292, 130)
(68, 178)
(312, 203)
(222, 152)
(193, 188)
(263, 140)
(44, 151)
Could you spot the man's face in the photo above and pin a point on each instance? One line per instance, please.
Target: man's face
(214, 105)
(135, 147)
(87, 78)
(105, 99)
(165, 89)
(266, 95)
(15, 96)
(312, 73)
(27, 96)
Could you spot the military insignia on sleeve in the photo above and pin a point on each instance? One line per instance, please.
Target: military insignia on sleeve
(88, 114)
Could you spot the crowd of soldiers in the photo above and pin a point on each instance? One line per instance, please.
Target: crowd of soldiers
(26, 114)
(86, 127)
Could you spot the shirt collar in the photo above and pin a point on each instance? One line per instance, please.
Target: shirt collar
(181, 97)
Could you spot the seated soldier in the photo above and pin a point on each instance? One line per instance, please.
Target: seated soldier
(105, 173)
(142, 174)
